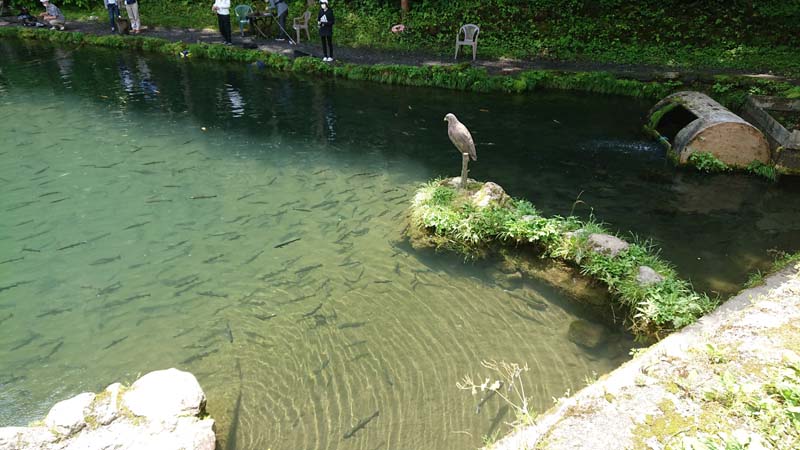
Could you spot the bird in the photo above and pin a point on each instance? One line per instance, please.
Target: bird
(460, 137)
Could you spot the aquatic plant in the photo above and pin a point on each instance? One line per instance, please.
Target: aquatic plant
(707, 162)
(653, 310)
(763, 170)
(505, 382)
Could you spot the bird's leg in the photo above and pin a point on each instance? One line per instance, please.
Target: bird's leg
(464, 163)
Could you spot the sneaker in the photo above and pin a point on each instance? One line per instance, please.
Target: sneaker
(325, 59)
(61, 28)
(228, 43)
(330, 59)
(53, 28)
(280, 39)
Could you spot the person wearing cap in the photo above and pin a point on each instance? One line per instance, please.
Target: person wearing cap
(223, 10)
(325, 21)
(113, 13)
(52, 15)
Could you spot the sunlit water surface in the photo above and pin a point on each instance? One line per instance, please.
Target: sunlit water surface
(245, 227)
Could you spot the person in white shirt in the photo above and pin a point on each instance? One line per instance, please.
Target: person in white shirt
(223, 10)
(113, 13)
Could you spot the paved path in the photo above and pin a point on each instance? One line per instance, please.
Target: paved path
(373, 56)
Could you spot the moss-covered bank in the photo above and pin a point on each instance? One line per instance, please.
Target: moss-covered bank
(655, 306)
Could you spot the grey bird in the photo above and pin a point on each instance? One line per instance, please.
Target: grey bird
(460, 137)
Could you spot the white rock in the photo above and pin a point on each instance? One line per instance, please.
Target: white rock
(21, 438)
(607, 244)
(647, 276)
(67, 417)
(165, 394)
(489, 194)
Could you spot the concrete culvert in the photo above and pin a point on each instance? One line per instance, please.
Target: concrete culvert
(689, 122)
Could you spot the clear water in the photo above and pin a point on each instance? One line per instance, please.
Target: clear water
(144, 201)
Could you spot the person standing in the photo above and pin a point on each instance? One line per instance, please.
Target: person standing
(133, 13)
(223, 10)
(113, 13)
(325, 21)
(52, 15)
(282, 9)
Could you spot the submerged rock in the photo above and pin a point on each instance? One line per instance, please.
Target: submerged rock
(162, 410)
(587, 334)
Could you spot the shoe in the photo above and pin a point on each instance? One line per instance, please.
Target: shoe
(330, 59)
(228, 43)
(61, 28)
(325, 59)
(53, 28)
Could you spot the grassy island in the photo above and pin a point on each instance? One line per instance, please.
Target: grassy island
(445, 217)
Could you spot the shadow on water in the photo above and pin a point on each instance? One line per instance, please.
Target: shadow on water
(242, 225)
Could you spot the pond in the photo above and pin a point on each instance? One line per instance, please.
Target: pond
(246, 226)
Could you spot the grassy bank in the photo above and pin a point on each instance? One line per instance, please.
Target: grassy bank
(653, 310)
(730, 91)
(745, 35)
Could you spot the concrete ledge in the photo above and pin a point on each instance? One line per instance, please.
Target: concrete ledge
(656, 401)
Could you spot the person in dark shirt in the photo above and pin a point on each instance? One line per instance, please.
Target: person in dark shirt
(325, 21)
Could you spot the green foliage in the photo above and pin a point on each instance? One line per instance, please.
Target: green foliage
(654, 309)
(763, 170)
(707, 162)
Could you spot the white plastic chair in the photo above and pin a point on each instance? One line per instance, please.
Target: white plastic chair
(470, 32)
(301, 23)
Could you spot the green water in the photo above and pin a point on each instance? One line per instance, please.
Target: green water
(145, 201)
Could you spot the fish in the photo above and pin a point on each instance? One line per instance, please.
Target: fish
(201, 197)
(136, 225)
(531, 303)
(26, 249)
(351, 325)
(289, 203)
(13, 285)
(229, 332)
(246, 195)
(175, 245)
(307, 269)
(212, 294)
(362, 174)
(328, 204)
(114, 342)
(47, 194)
(272, 181)
(321, 171)
(199, 356)
(354, 343)
(105, 260)
(302, 209)
(361, 424)
(253, 258)
(72, 245)
(213, 259)
(109, 289)
(27, 341)
(60, 200)
(323, 367)
(284, 244)
(10, 315)
(53, 312)
(54, 350)
(313, 311)
(265, 317)
(486, 398)
(527, 317)
(361, 274)
(151, 163)
(126, 300)
(12, 260)
(41, 170)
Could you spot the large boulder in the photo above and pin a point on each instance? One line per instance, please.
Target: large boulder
(165, 394)
(163, 410)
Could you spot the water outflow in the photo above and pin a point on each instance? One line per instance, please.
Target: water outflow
(169, 213)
